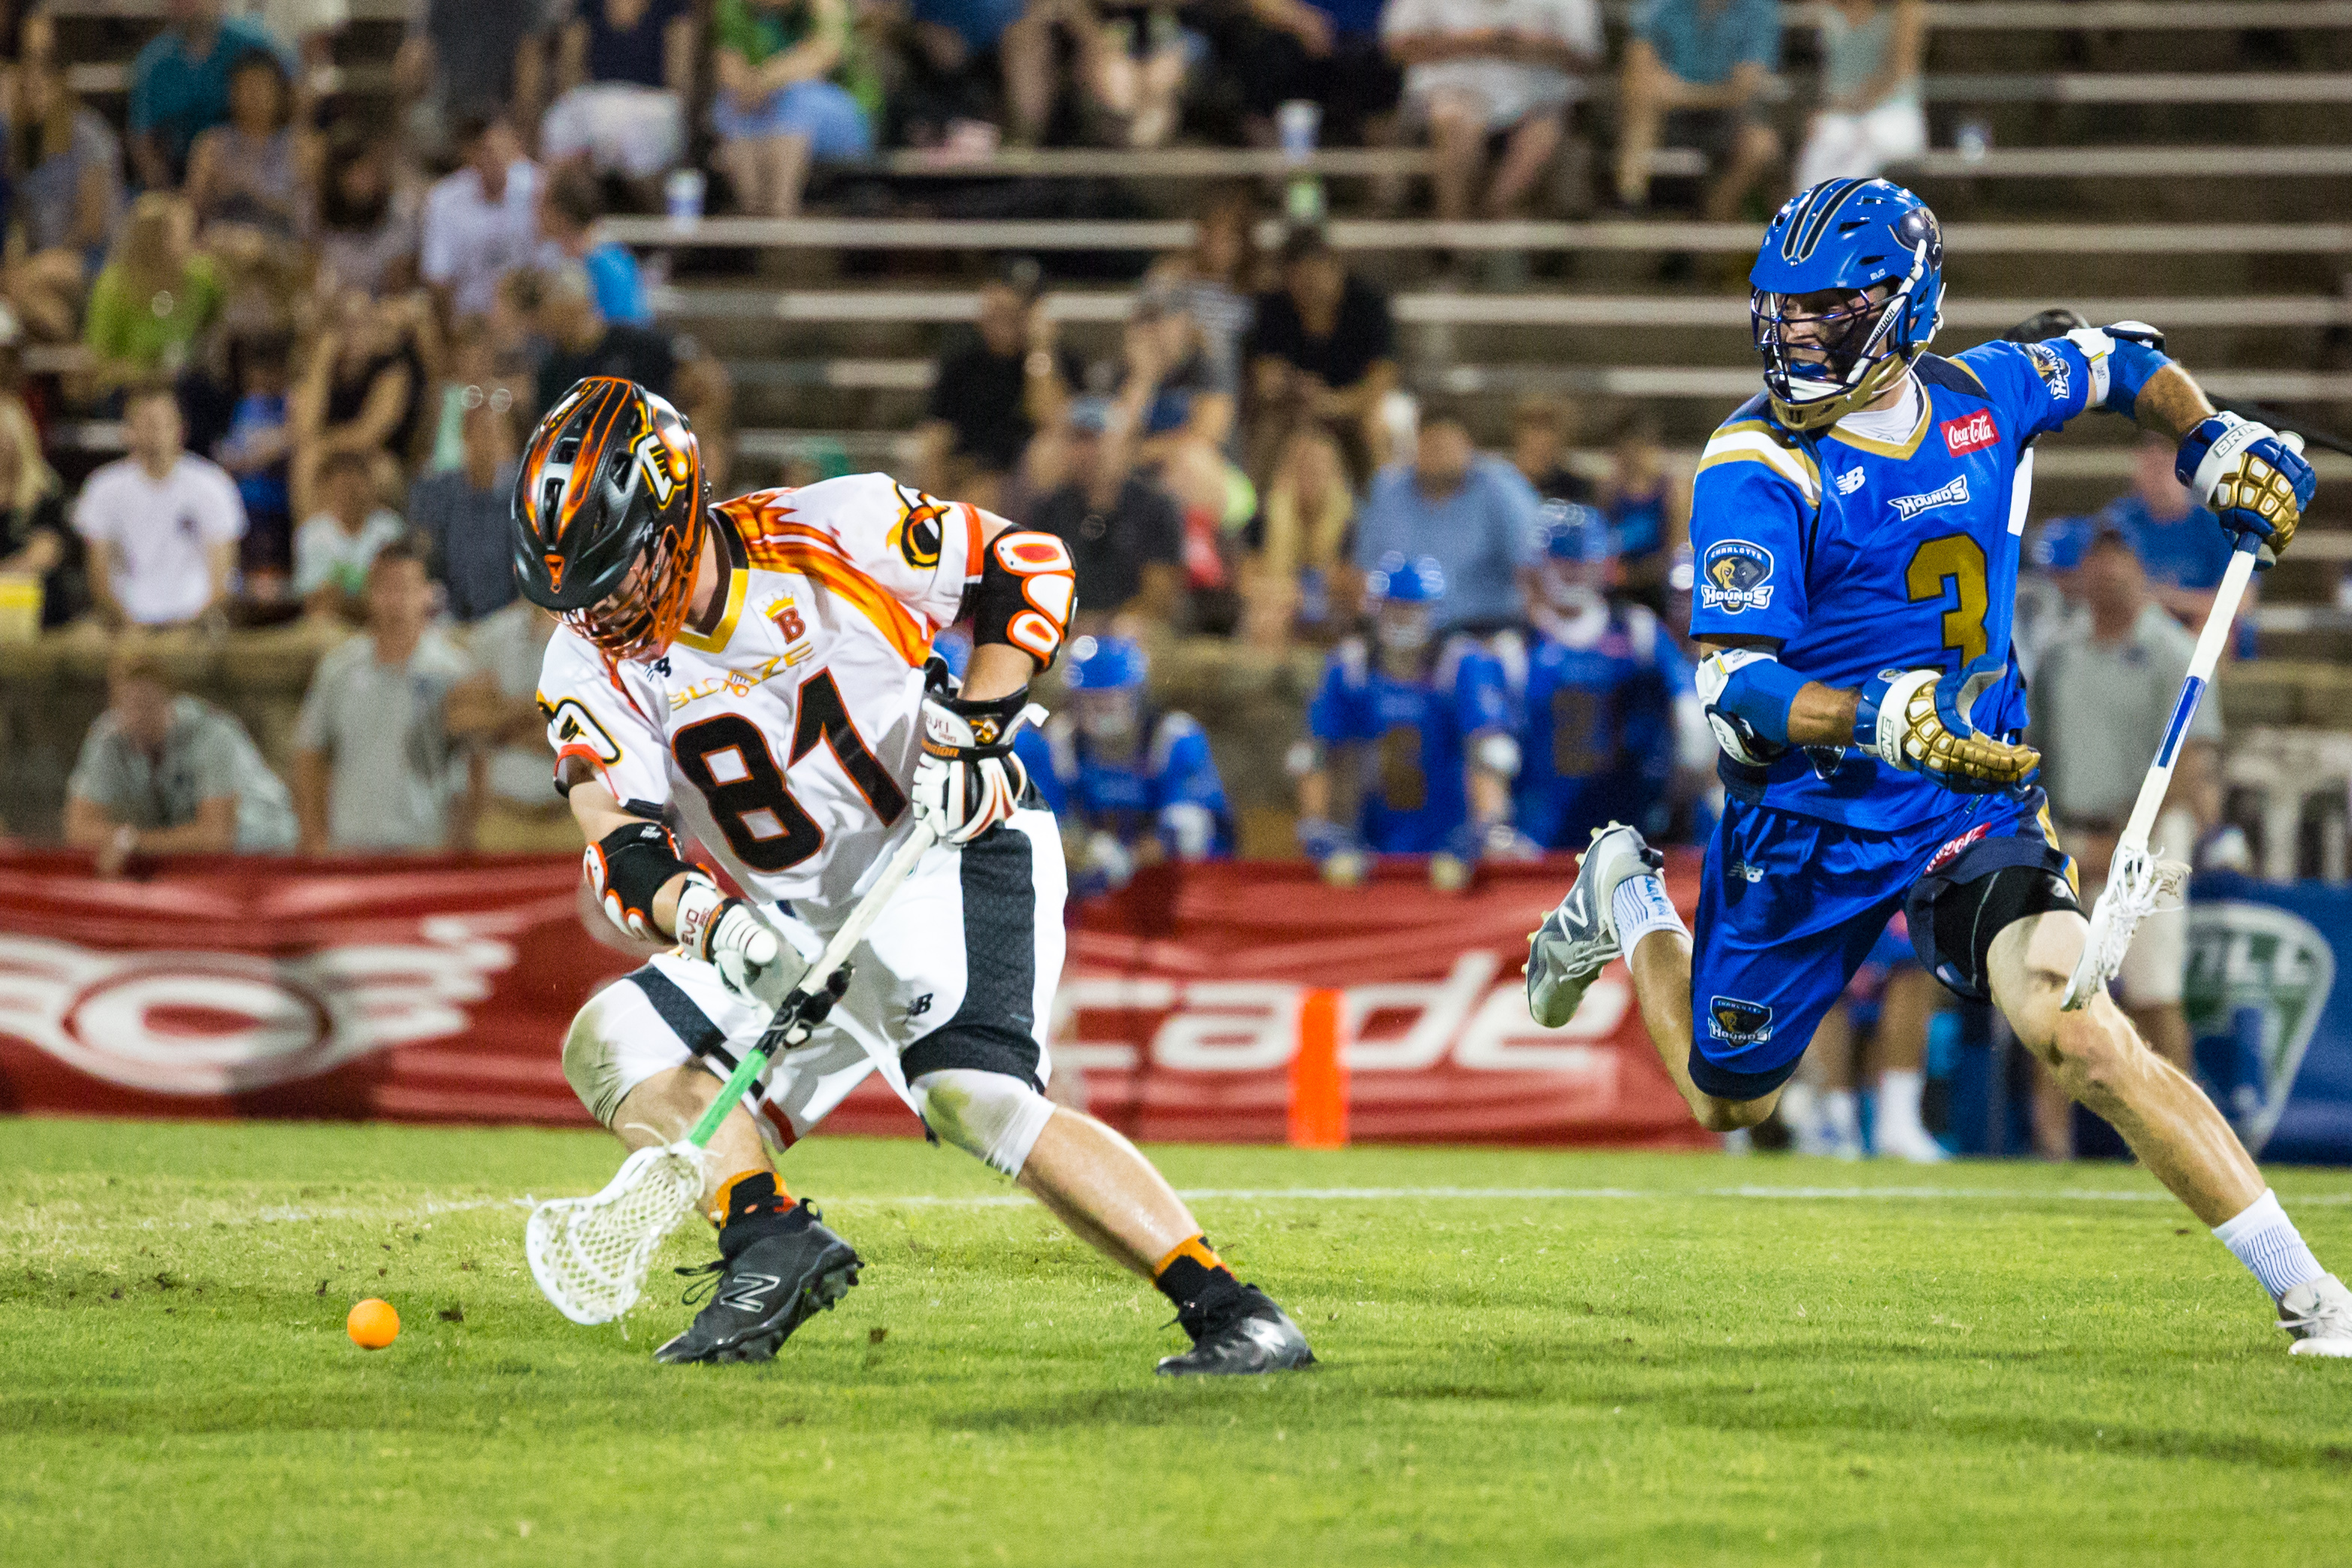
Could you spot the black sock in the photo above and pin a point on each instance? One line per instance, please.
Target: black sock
(1200, 1290)
(757, 1207)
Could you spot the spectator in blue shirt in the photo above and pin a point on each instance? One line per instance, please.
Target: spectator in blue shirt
(2180, 542)
(568, 211)
(179, 85)
(1472, 512)
(1695, 72)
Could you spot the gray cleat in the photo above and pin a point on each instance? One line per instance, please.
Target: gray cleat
(764, 1292)
(2318, 1314)
(1251, 1337)
(1576, 941)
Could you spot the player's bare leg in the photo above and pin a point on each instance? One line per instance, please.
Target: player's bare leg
(1661, 967)
(1102, 1187)
(2168, 1121)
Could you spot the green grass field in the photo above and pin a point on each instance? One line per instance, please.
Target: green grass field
(1527, 1357)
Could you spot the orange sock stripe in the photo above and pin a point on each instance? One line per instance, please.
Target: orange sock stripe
(726, 1194)
(1197, 1250)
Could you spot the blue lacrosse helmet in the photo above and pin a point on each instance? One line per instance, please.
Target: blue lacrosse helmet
(1573, 532)
(2060, 544)
(1106, 664)
(1851, 236)
(1396, 580)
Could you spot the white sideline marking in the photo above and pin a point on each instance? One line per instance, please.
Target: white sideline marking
(1391, 1194)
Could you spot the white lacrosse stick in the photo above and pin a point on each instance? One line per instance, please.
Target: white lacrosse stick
(2141, 882)
(590, 1254)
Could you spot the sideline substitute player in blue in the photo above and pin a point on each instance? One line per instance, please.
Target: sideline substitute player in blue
(1129, 787)
(1605, 696)
(1857, 557)
(1416, 730)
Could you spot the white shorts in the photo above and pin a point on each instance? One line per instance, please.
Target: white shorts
(959, 972)
(635, 130)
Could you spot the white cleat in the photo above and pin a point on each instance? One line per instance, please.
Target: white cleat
(1566, 952)
(1913, 1142)
(2318, 1313)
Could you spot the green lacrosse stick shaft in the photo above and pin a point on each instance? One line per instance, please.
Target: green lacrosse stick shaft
(837, 953)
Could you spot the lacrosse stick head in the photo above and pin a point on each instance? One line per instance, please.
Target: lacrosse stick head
(590, 1254)
(2140, 884)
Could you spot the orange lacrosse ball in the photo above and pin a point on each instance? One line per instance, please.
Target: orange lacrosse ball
(373, 1324)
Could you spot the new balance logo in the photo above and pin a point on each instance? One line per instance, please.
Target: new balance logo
(1952, 494)
(748, 1293)
(919, 1006)
(1850, 481)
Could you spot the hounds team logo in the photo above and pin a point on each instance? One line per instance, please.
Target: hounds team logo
(1737, 1022)
(1962, 436)
(1735, 576)
(2051, 366)
(228, 1023)
(1952, 495)
(921, 527)
(2259, 977)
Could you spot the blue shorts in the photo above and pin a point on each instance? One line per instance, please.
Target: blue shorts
(824, 112)
(1790, 906)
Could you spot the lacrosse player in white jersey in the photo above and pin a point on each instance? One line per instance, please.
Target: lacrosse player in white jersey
(761, 668)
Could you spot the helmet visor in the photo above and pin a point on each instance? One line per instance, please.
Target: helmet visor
(1821, 343)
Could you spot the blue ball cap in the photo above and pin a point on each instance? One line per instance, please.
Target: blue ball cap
(1571, 531)
(2060, 544)
(1107, 664)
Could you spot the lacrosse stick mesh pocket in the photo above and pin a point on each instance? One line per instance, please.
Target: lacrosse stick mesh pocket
(590, 1254)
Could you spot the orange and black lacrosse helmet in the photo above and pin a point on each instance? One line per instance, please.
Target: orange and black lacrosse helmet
(608, 517)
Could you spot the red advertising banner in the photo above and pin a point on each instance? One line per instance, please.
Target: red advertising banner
(438, 990)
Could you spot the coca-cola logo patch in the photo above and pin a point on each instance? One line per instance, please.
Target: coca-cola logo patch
(1976, 432)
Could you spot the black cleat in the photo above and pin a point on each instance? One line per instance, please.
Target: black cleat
(1250, 1336)
(764, 1292)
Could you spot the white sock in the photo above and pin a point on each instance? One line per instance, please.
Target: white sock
(1899, 1100)
(1639, 906)
(1841, 1119)
(2267, 1241)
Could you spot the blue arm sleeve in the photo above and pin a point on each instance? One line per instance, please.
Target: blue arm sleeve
(1748, 517)
(1037, 755)
(1187, 770)
(1482, 695)
(1330, 717)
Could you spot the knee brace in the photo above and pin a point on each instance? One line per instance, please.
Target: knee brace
(993, 1115)
(591, 1065)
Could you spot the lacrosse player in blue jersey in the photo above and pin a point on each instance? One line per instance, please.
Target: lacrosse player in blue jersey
(1129, 786)
(1856, 530)
(1422, 731)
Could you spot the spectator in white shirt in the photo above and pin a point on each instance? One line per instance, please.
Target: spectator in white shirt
(163, 523)
(1477, 69)
(334, 547)
(481, 220)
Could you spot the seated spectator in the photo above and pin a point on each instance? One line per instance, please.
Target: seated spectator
(1476, 72)
(793, 85)
(521, 811)
(1648, 508)
(1133, 64)
(568, 215)
(1130, 785)
(1326, 52)
(955, 41)
(36, 540)
(1216, 282)
(463, 513)
(626, 69)
(995, 391)
(1179, 399)
(368, 223)
(1406, 736)
(363, 394)
(1871, 114)
(162, 523)
(154, 296)
(308, 28)
(1470, 512)
(2101, 699)
(337, 542)
(481, 220)
(257, 168)
(375, 766)
(179, 84)
(257, 451)
(2049, 608)
(162, 773)
(1697, 71)
(1539, 430)
(2179, 544)
(1125, 535)
(65, 168)
(464, 62)
(1323, 348)
(582, 343)
(1300, 565)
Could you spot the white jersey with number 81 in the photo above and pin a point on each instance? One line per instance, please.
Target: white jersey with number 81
(785, 731)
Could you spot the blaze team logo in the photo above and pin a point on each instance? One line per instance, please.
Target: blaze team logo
(1735, 576)
(1952, 495)
(1976, 432)
(921, 524)
(1737, 1022)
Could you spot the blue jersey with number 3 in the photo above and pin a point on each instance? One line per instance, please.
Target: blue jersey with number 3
(1414, 735)
(1859, 556)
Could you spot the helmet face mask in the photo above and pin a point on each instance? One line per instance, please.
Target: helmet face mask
(1848, 290)
(609, 520)
(1404, 595)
